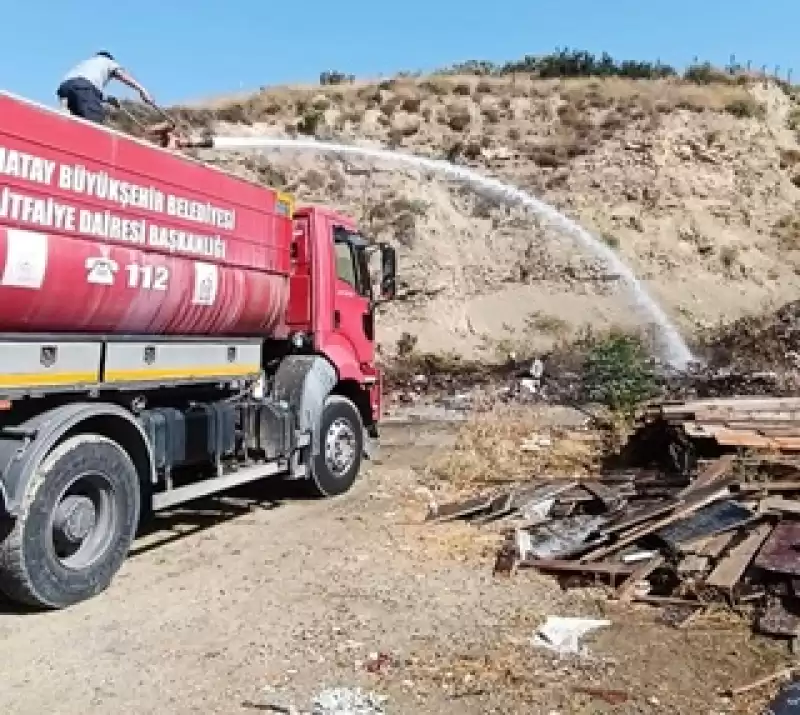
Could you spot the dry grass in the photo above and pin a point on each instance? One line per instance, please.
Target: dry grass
(452, 98)
(656, 95)
(498, 447)
(456, 541)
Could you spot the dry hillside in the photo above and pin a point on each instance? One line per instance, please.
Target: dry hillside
(693, 184)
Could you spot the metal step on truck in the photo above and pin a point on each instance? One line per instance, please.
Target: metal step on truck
(167, 331)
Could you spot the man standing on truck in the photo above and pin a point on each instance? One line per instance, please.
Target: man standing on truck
(82, 88)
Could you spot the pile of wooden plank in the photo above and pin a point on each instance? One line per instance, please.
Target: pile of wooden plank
(725, 533)
(736, 423)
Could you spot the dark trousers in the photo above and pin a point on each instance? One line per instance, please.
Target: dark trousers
(83, 99)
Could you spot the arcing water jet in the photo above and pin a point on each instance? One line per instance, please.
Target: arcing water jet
(672, 347)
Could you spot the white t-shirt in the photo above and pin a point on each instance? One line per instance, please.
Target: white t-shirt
(97, 70)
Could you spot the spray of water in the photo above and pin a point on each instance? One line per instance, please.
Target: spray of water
(672, 347)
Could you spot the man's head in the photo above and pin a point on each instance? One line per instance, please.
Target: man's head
(106, 54)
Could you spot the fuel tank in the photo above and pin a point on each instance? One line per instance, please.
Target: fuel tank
(104, 233)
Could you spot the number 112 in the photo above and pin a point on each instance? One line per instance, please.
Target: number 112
(147, 277)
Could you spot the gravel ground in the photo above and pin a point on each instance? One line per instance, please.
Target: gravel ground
(258, 600)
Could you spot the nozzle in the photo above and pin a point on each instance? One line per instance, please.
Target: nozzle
(205, 142)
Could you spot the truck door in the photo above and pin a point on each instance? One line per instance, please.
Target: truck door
(354, 315)
(298, 310)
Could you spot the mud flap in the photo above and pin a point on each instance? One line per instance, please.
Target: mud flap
(303, 382)
(371, 446)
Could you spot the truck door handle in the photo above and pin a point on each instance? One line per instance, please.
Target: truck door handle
(337, 318)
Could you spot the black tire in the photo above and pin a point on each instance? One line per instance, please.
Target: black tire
(38, 566)
(340, 415)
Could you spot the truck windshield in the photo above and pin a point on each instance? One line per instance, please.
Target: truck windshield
(351, 261)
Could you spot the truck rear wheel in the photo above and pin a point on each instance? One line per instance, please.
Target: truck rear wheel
(335, 468)
(80, 518)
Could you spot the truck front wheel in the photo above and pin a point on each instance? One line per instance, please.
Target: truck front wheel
(335, 468)
(79, 520)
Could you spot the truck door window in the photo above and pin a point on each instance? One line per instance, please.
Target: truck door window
(351, 261)
(364, 278)
(345, 266)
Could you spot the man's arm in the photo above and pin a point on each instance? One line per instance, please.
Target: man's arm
(121, 75)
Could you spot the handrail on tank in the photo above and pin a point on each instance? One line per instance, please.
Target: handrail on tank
(116, 132)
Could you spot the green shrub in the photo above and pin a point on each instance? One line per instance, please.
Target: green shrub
(706, 73)
(744, 108)
(310, 121)
(618, 372)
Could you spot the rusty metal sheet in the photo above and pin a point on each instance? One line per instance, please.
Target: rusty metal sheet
(781, 552)
(707, 521)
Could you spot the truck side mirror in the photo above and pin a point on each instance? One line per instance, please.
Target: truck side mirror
(388, 272)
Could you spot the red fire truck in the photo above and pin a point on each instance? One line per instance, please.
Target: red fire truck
(167, 331)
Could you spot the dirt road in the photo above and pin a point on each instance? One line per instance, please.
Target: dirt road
(248, 602)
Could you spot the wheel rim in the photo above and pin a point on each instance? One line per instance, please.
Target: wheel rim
(340, 447)
(82, 524)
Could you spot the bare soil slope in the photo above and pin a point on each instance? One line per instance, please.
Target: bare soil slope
(694, 185)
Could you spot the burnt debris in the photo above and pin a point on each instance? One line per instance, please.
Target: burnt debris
(702, 508)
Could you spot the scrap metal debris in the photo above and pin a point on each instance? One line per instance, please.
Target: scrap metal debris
(711, 513)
